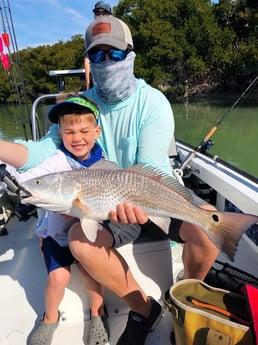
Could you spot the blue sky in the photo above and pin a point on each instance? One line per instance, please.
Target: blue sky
(39, 22)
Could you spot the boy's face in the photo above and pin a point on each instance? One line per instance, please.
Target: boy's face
(79, 133)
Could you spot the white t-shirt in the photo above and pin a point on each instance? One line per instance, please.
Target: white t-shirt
(50, 224)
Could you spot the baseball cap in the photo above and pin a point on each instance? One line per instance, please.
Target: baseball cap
(71, 104)
(104, 5)
(110, 31)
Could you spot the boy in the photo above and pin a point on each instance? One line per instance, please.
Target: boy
(77, 117)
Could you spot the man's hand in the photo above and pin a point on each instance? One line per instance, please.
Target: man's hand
(128, 214)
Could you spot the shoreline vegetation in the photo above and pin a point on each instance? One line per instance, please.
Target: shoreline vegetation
(189, 49)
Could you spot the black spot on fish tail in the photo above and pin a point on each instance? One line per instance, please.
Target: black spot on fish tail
(215, 218)
(226, 230)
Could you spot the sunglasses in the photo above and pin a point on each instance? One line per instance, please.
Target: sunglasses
(99, 55)
(101, 13)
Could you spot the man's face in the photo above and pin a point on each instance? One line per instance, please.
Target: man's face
(101, 12)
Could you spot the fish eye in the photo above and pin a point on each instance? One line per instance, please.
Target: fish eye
(37, 182)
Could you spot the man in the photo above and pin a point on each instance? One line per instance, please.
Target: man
(101, 8)
(132, 115)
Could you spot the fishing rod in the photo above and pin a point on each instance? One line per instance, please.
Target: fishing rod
(206, 143)
(17, 75)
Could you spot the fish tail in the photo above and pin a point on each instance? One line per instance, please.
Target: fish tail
(227, 229)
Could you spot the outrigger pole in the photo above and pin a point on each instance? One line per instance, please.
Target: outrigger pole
(17, 74)
(206, 141)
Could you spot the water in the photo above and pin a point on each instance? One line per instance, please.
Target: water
(236, 139)
(11, 123)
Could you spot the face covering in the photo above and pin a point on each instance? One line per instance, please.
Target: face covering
(114, 80)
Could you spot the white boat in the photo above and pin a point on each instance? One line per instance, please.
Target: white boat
(155, 264)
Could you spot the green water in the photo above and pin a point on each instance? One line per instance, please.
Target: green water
(14, 124)
(236, 139)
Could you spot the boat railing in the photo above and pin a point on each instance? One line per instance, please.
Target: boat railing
(61, 76)
(229, 183)
(35, 120)
(35, 130)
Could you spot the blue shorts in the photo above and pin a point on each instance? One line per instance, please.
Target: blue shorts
(55, 256)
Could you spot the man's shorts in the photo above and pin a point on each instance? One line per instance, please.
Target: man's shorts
(122, 233)
(55, 256)
(175, 224)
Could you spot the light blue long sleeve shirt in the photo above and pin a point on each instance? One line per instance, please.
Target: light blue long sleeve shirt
(138, 130)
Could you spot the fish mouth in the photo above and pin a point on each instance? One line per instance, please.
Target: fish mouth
(23, 192)
(27, 197)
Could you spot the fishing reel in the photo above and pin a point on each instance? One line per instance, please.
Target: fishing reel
(23, 212)
(206, 145)
(10, 181)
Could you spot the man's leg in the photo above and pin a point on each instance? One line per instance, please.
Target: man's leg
(199, 252)
(108, 267)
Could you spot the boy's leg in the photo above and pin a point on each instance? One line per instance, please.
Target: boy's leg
(58, 260)
(99, 331)
(54, 293)
(95, 292)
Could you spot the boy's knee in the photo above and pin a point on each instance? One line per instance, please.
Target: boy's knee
(58, 280)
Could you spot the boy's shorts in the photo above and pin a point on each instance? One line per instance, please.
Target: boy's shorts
(55, 256)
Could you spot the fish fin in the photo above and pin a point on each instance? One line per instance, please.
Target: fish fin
(227, 228)
(80, 209)
(162, 178)
(82, 206)
(104, 164)
(90, 228)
